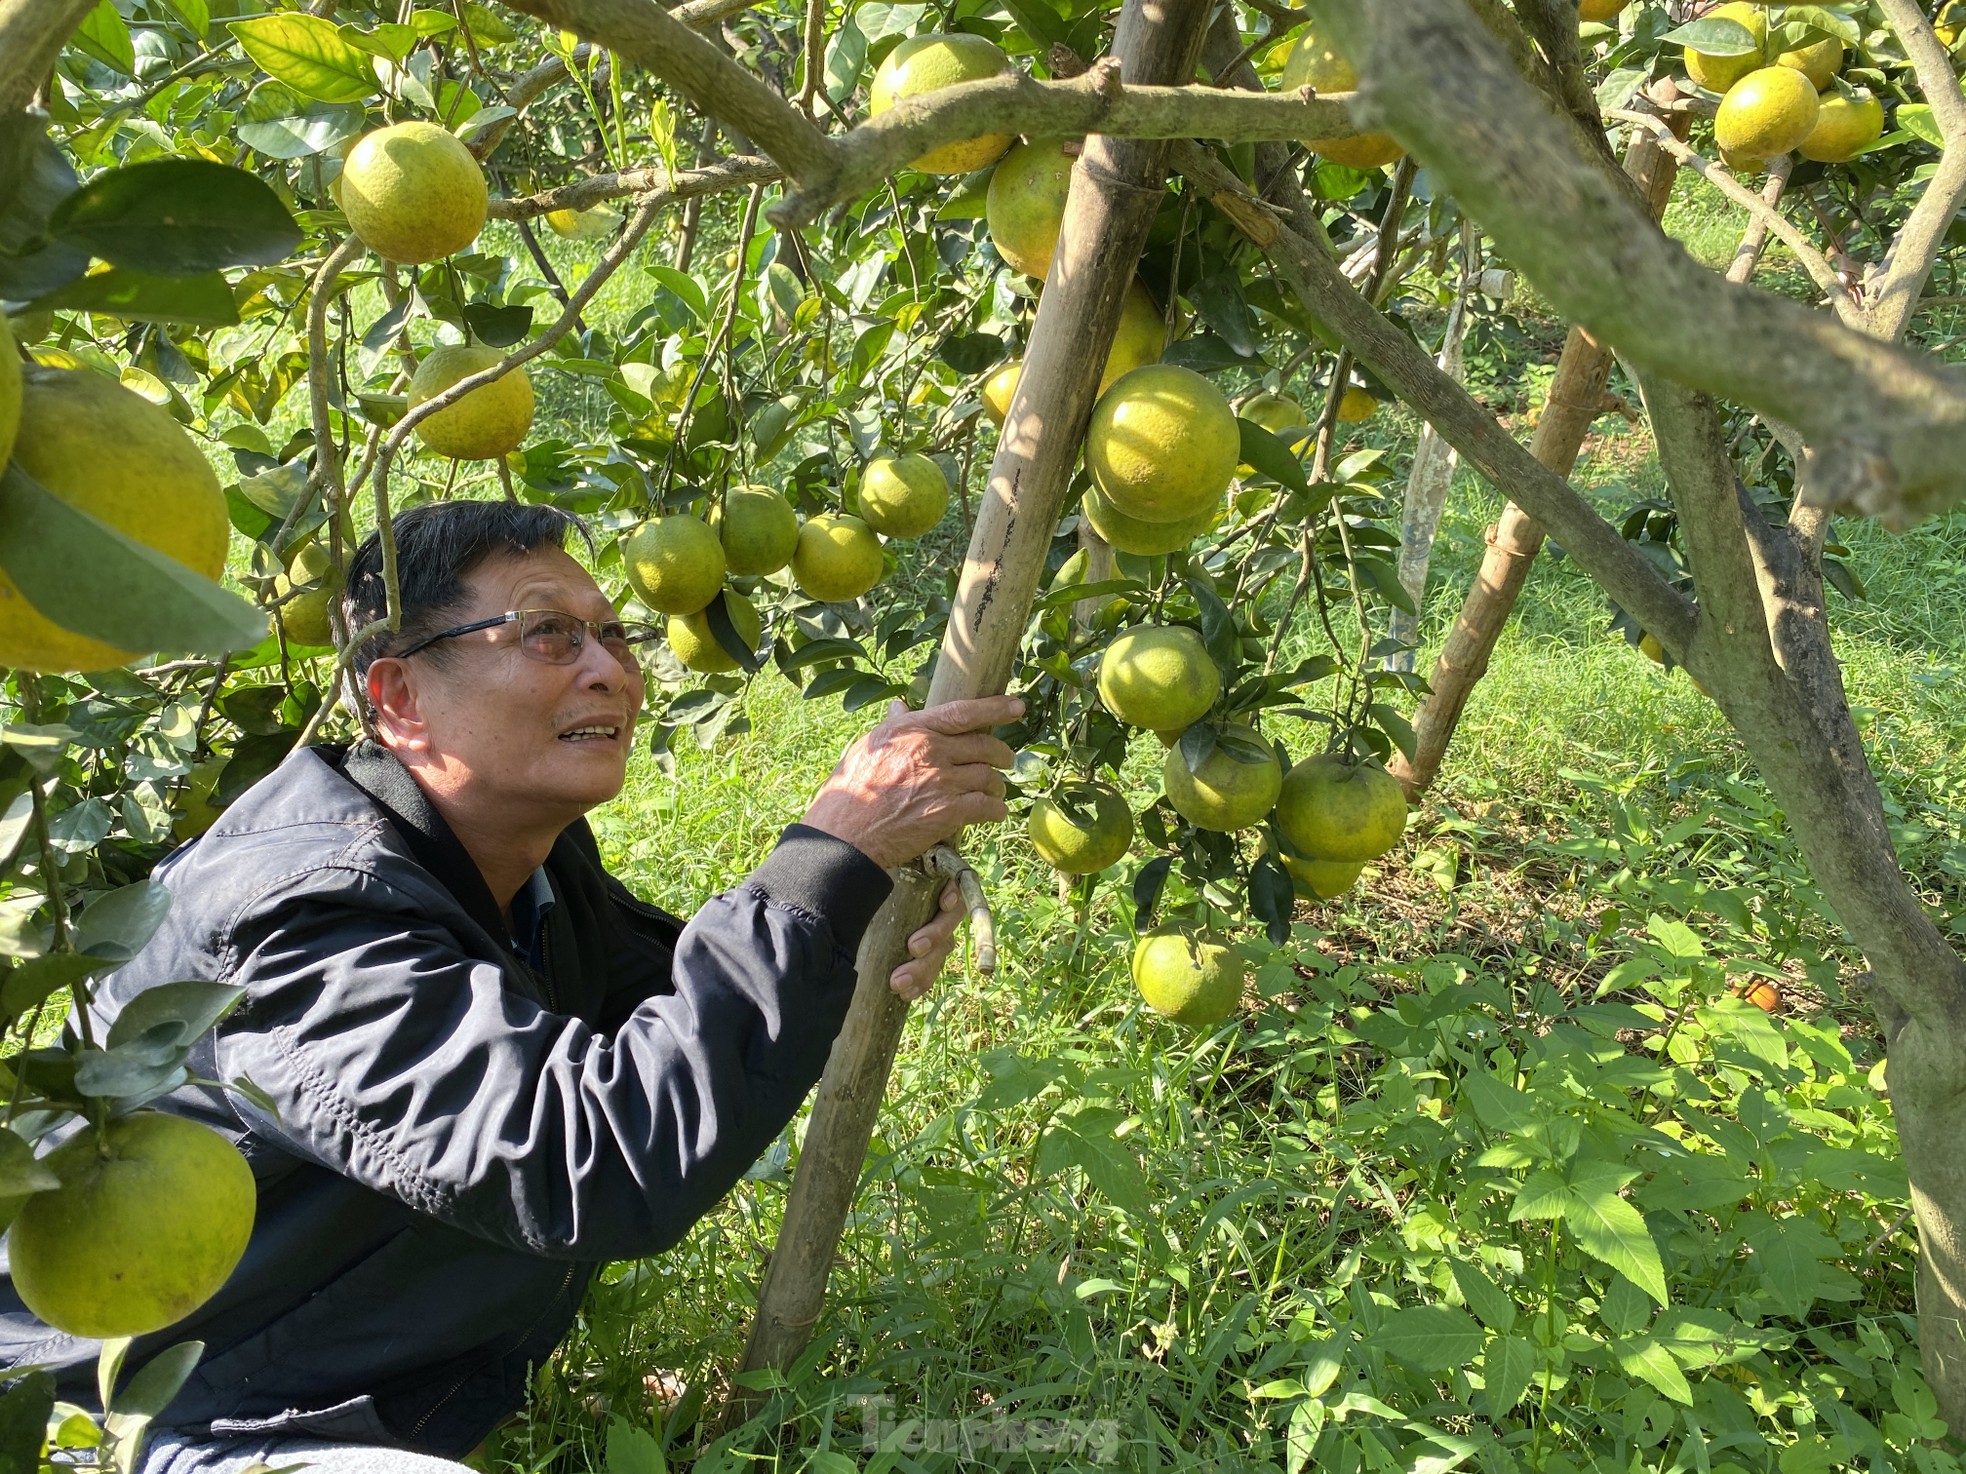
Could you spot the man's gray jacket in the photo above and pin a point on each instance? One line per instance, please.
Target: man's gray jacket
(461, 1137)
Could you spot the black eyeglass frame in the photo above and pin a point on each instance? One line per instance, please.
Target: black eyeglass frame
(589, 628)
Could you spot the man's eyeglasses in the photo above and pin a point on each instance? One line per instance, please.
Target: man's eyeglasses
(556, 637)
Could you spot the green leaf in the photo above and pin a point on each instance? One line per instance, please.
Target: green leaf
(300, 136)
(203, 301)
(1652, 1364)
(87, 577)
(1429, 1338)
(1608, 1228)
(20, 1173)
(35, 176)
(1269, 455)
(1506, 1369)
(105, 35)
(35, 981)
(24, 1410)
(150, 1391)
(1484, 1297)
(633, 1450)
(1542, 1195)
(309, 54)
(177, 217)
(117, 924)
(1714, 37)
(1917, 119)
(191, 1008)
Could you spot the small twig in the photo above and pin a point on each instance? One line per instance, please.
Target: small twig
(1821, 272)
(947, 861)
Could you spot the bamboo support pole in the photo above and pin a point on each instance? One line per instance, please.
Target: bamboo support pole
(1116, 188)
(1575, 398)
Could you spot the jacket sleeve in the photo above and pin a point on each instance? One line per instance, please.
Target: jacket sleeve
(406, 1064)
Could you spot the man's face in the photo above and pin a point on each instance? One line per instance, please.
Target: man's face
(518, 731)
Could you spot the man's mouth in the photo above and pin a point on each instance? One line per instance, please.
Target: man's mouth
(595, 733)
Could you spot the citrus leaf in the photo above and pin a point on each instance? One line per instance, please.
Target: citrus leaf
(105, 35)
(192, 1007)
(203, 301)
(40, 978)
(24, 1411)
(307, 52)
(89, 578)
(20, 1173)
(177, 217)
(117, 924)
(1714, 36)
(1269, 455)
(1429, 1338)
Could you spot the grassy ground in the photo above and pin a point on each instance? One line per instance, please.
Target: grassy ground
(1199, 1246)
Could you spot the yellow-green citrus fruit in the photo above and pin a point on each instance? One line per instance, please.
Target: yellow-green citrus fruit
(490, 422)
(1766, 113)
(1845, 127)
(1331, 809)
(1139, 340)
(674, 564)
(1233, 788)
(758, 529)
(1601, 11)
(1026, 203)
(1651, 649)
(1819, 61)
(926, 63)
(1322, 880)
(304, 617)
(1356, 406)
(998, 388)
(1085, 842)
(1950, 24)
(1315, 63)
(583, 225)
(413, 193)
(113, 454)
(9, 391)
(838, 558)
(695, 643)
(1274, 412)
(1163, 445)
(196, 810)
(1193, 980)
(148, 1222)
(1718, 73)
(1144, 539)
(1158, 677)
(904, 495)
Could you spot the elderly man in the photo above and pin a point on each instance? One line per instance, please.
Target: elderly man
(493, 1068)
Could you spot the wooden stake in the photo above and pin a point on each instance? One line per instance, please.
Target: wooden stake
(1116, 187)
(1576, 397)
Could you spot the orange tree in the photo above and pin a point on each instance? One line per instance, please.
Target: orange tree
(196, 211)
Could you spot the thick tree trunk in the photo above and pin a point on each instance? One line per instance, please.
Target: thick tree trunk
(1116, 187)
(1575, 400)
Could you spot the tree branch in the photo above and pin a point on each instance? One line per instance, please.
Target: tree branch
(1097, 102)
(664, 45)
(1436, 79)
(1820, 270)
(1407, 369)
(31, 37)
(583, 194)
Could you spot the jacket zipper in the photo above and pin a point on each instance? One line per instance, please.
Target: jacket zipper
(423, 1422)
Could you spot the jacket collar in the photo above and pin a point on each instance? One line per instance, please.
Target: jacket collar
(377, 772)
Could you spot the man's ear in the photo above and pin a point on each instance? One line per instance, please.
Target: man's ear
(394, 697)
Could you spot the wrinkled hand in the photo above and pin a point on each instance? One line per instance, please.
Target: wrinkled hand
(917, 779)
(929, 948)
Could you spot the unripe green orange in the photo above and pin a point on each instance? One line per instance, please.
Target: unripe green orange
(1332, 809)
(1192, 979)
(489, 422)
(675, 564)
(904, 495)
(1718, 73)
(413, 193)
(1230, 789)
(1158, 677)
(1081, 843)
(1845, 127)
(924, 64)
(1026, 203)
(838, 558)
(1162, 444)
(147, 1224)
(1766, 113)
(695, 643)
(1144, 539)
(758, 529)
(1314, 62)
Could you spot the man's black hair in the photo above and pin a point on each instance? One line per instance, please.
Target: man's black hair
(438, 545)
